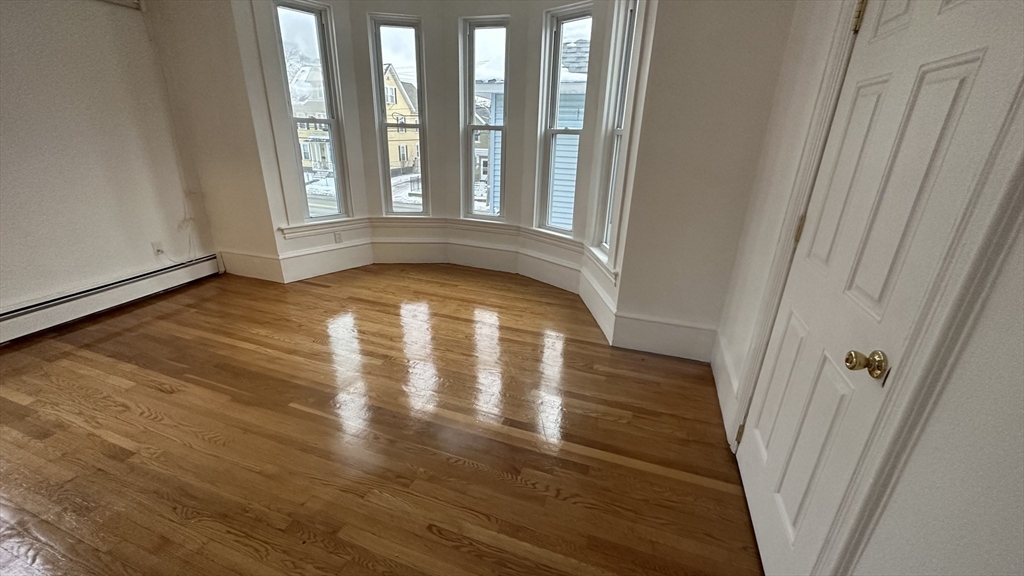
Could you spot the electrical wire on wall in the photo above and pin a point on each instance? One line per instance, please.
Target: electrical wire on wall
(188, 222)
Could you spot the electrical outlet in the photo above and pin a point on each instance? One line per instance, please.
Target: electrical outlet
(337, 238)
(158, 248)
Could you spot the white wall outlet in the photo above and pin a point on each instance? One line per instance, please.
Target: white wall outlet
(338, 239)
(158, 248)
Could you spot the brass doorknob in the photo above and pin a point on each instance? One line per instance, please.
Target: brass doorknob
(876, 362)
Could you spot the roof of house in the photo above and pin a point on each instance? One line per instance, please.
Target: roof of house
(412, 93)
(483, 113)
(408, 88)
(576, 55)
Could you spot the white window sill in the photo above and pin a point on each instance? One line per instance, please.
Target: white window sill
(322, 227)
(599, 256)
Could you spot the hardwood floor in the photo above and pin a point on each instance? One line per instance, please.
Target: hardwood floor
(392, 419)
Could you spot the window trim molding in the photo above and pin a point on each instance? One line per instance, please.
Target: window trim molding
(548, 110)
(615, 171)
(374, 21)
(467, 26)
(296, 199)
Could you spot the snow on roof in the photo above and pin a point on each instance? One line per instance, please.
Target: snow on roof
(564, 76)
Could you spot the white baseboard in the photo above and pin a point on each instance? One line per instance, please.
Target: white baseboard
(253, 266)
(543, 256)
(302, 264)
(664, 337)
(550, 270)
(601, 306)
(488, 257)
(409, 251)
(20, 322)
(725, 384)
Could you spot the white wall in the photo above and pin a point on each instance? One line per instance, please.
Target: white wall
(958, 506)
(199, 51)
(786, 146)
(88, 171)
(713, 71)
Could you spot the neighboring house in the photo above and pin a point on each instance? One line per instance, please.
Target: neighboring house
(401, 106)
(489, 110)
(306, 85)
(572, 94)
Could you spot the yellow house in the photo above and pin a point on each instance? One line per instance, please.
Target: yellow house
(401, 107)
(308, 101)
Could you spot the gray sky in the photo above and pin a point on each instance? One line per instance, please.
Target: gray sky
(398, 48)
(577, 29)
(299, 29)
(398, 45)
(489, 53)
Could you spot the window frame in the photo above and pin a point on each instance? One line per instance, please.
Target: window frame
(332, 104)
(467, 28)
(376, 21)
(625, 56)
(551, 66)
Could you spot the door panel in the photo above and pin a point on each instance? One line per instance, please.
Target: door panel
(856, 133)
(933, 110)
(894, 15)
(925, 96)
(816, 431)
(778, 383)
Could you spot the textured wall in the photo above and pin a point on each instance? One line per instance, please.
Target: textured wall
(958, 507)
(88, 171)
(713, 72)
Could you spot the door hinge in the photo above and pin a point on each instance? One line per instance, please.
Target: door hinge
(858, 15)
(739, 433)
(799, 230)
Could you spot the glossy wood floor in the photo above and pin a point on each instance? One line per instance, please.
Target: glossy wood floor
(427, 419)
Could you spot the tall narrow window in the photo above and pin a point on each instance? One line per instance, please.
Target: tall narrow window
(568, 60)
(398, 73)
(484, 132)
(622, 92)
(313, 108)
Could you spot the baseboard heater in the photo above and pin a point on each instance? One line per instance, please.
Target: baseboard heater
(41, 315)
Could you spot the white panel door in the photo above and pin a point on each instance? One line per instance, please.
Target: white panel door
(929, 88)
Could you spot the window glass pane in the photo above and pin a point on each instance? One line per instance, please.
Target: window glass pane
(564, 151)
(319, 174)
(486, 177)
(627, 55)
(489, 76)
(301, 43)
(398, 57)
(574, 58)
(404, 169)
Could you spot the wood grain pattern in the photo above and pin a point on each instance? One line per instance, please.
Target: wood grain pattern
(392, 419)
